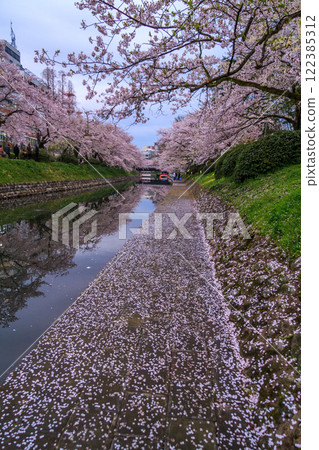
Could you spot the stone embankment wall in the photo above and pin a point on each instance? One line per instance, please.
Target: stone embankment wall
(16, 190)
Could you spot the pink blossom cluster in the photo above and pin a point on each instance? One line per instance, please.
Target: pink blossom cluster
(31, 109)
(170, 51)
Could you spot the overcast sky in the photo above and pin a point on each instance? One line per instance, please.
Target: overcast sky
(55, 25)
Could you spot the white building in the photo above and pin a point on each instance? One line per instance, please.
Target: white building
(150, 152)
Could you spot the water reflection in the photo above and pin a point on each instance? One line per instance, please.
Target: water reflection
(27, 254)
(40, 278)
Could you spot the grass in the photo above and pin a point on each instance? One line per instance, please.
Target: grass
(24, 171)
(271, 202)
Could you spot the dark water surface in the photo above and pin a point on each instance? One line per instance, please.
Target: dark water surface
(40, 278)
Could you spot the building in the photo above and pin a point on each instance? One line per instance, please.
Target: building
(11, 51)
(150, 152)
(12, 55)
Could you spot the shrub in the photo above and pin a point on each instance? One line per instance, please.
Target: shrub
(227, 163)
(44, 156)
(67, 158)
(268, 153)
(219, 167)
(231, 158)
(94, 161)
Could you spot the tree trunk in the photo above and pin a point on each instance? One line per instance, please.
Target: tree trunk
(297, 122)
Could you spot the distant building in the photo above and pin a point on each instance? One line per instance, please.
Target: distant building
(147, 152)
(150, 152)
(12, 55)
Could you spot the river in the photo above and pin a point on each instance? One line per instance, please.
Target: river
(39, 277)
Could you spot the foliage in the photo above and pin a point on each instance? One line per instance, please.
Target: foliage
(67, 158)
(267, 154)
(52, 118)
(217, 168)
(95, 162)
(271, 202)
(231, 158)
(171, 50)
(249, 159)
(44, 156)
(219, 124)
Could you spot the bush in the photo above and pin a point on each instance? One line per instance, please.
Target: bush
(268, 153)
(226, 164)
(219, 167)
(44, 156)
(231, 158)
(119, 170)
(94, 161)
(67, 158)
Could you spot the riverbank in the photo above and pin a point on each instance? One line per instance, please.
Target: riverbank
(260, 279)
(27, 208)
(29, 171)
(270, 202)
(14, 191)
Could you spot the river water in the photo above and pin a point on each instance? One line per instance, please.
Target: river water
(39, 277)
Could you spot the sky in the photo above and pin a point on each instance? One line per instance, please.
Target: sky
(56, 25)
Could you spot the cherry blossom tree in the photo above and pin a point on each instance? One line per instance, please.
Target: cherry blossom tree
(157, 51)
(16, 91)
(105, 142)
(30, 109)
(233, 115)
(27, 107)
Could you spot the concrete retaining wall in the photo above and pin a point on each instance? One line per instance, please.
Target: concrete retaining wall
(16, 190)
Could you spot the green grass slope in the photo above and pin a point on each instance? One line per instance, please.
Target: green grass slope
(271, 202)
(24, 171)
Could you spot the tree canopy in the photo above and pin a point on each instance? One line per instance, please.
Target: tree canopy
(168, 51)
